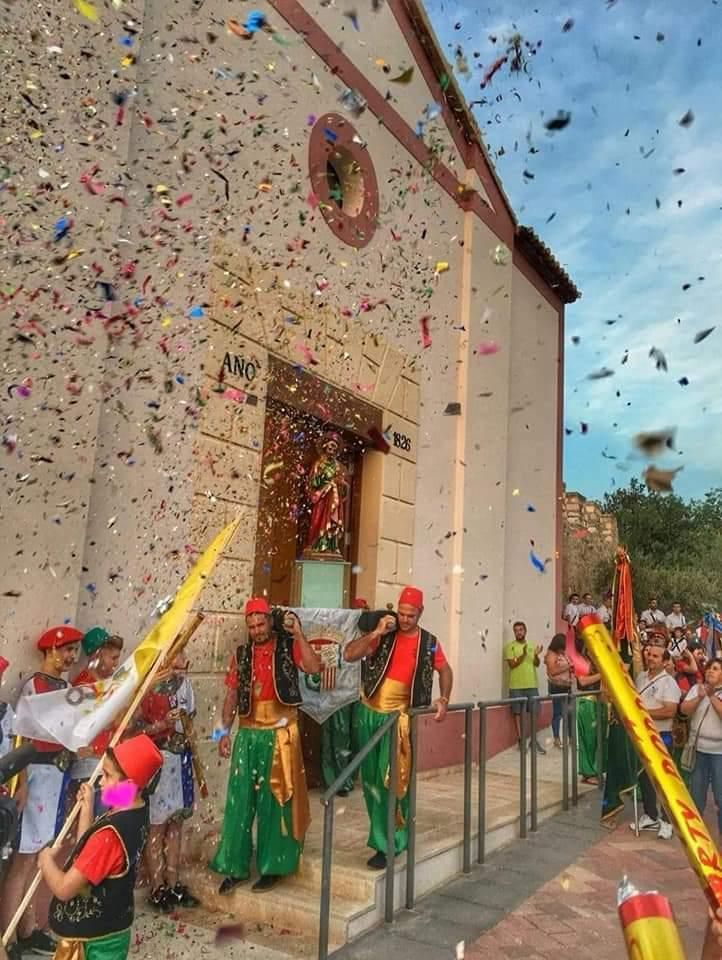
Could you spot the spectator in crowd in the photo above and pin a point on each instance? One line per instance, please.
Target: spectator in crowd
(604, 610)
(587, 605)
(652, 614)
(660, 695)
(676, 618)
(523, 661)
(571, 611)
(703, 705)
(559, 679)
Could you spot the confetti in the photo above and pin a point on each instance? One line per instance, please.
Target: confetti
(228, 932)
(600, 374)
(658, 480)
(703, 334)
(538, 564)
(559, 122)
(654, 443)
(406, 76)
(425, 334)
(487, 348)
(86, 9)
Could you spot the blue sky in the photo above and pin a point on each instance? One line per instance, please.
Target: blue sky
(630, 267)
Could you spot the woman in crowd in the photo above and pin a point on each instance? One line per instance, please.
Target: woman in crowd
(559, 678)
(703, 705)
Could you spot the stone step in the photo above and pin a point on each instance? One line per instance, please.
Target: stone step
(288, 908)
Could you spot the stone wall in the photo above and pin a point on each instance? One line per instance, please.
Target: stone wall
(590, 539)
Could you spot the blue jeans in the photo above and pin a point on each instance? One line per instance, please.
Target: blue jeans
(707, 770)
(557, 708)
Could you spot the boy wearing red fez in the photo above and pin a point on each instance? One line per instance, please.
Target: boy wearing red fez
(172, 800)
(397, 672)
(267, 779)
(46, 784)
(92, 906)
(103, 651)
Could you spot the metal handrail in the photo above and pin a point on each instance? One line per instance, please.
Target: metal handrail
(415, 713)
(327, 801)
(390, 725)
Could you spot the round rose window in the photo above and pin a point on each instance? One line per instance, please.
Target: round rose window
(343, 179)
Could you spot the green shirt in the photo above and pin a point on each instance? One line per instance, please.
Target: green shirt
(522, 677)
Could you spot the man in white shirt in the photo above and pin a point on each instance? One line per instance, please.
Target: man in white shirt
(571, 611)
(604, 610)
(587, 605)
(652, 614)
(676, 618)
(660, 695)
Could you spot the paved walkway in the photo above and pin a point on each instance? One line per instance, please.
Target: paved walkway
(552, 896)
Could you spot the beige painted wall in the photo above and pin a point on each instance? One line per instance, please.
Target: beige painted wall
(150, 460)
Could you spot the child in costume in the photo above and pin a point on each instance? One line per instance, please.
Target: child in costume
(103, 652)
(92, 907)
(46, 784)
(172, 799)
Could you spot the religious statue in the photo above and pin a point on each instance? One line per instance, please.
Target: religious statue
(327, 488)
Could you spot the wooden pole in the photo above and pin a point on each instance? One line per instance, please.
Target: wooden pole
(178, 644)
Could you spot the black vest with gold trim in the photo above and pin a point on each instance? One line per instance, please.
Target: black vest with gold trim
(285, 673)
(374, 666)
(98, 911)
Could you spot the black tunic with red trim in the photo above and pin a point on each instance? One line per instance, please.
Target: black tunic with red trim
(105, 908)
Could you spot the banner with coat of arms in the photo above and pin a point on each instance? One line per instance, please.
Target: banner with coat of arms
(328, 632)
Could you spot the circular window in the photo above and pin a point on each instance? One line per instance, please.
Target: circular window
(343, 179)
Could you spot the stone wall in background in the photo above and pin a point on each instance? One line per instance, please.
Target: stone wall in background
(590, 539)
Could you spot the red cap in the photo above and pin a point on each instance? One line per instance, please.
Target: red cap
(359, 604)
(413, 596)
(59, 637)
(4, 664)
(139, 759)
(257, 605)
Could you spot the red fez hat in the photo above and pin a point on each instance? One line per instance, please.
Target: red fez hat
(59, 637)
(257, 605)
(358, 604)
(413, 596)
(138, 758)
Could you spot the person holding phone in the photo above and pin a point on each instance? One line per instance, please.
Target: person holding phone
(267, 779)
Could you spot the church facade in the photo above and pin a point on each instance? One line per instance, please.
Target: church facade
(228, 236)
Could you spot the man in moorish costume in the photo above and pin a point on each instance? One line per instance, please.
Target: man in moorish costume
(328, 489)
(399, 660)
(267, 777)
(46, 783)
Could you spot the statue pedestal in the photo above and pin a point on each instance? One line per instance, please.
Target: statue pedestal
(321, 583)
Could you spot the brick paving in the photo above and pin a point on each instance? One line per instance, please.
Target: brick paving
(550, 896)
(574, 915)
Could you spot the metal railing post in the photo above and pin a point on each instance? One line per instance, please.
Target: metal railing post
(481, 799)
(411, 849)
(522, 771)
(326, 862)
(468, 736)
(391, 823)
(565, 753)
(575, 755)
(533, 704)
(600, 743)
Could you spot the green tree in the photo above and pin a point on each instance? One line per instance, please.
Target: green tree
(674, 545)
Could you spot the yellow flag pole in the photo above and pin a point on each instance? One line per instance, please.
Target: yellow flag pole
(156, 647)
